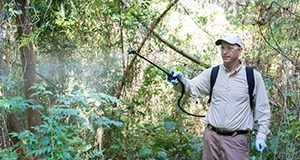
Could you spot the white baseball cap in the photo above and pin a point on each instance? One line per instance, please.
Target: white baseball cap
(231, 39)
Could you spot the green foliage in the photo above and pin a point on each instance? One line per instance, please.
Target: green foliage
(12, 104)
(79, 46)
(144, 152)
(60, 141)
(40, 90)
(11, 11)
(165, 140)
(8, 153)
(287, 137)
(68, 131)
(202, 20)
(284, 139)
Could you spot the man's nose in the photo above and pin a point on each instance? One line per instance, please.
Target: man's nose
(224, 52)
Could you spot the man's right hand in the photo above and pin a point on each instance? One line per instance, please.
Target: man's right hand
(173, 77)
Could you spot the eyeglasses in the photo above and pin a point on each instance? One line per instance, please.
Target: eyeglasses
(229, 47)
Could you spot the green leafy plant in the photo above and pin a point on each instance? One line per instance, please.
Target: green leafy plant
(68, 131)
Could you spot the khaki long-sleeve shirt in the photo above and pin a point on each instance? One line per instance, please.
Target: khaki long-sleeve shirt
(230, 102)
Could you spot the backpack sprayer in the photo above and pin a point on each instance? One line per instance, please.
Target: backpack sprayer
(170, 77)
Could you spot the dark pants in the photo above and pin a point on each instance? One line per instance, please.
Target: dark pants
(225, 147)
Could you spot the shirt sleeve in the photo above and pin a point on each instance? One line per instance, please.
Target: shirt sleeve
(198, 86)
(262, 108)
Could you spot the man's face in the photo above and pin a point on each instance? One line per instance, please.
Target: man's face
(230, 52)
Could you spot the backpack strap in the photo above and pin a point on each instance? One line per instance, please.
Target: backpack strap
(213, 77)
(251, 84)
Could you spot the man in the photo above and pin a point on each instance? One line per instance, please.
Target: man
(229, 117)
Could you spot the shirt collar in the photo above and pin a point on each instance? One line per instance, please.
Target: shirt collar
(235, 71)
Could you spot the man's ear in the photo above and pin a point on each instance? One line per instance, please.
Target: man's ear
(240, 49)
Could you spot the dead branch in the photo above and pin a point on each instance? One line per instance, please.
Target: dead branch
(151, 29)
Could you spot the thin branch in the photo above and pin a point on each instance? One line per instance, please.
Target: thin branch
(273, 37)
(170, 45)
(180, 51)
(128, 69)
(276, 49)
(188, 13)
(47, 80)
(176, 49)
(284, 8)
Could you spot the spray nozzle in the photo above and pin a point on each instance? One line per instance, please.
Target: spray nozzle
(131, 51)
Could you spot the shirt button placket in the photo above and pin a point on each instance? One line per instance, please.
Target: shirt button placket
(228, 93)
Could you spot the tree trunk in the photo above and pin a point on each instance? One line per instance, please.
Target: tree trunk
(9, 121)
(28, 61)
(4, 140)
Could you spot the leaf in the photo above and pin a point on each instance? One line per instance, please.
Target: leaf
(162, 155)
(42, 151)
(202, 20)
(169, 125)
(86, 148)
(65, 100)
(108, 98)
(45, 140)
(8, 153)
(17, 12)
(36, 106)
(273, 144)
(115, 146)
(96, 153)
(144, 152)
(5, 103)
(64, 111)
(108, 122)
(19, 102)
(67, 155)
(197, 146)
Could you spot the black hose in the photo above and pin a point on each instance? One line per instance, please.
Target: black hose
(172, 78)
(179, 100)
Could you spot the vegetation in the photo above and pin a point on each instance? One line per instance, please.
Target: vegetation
(69, 90)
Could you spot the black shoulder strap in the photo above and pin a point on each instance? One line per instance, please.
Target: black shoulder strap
(213, 77)
(251, 84)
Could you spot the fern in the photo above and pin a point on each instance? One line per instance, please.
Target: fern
(15, 103)
(104, 121)
(4, 102)
(36, 106)
(42, 151)
(40, 90)
(96, 154)
(64, 112)
(69, 129)
(100, 98)
(67, 155)
(8, 153)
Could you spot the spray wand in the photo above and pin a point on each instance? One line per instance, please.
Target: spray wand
(170, 77)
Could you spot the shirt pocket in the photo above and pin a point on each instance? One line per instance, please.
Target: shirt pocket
(240, 94)
(219, 95)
